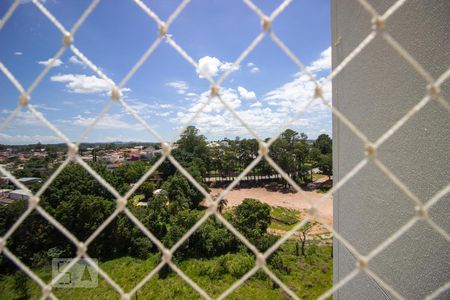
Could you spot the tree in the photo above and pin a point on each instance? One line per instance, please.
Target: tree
(177, 189)
(192, 145)
(221, 205)
(303, 232)
(147, 189)
(252, 218)
(130, 173)
(326, 165)
(324, 144)
(290, 151)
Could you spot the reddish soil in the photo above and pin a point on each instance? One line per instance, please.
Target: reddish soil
(289, 200)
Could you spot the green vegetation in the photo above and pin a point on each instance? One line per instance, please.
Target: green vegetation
(284, 218)
(308, 276)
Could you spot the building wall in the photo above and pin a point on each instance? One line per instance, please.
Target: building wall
(374, 91)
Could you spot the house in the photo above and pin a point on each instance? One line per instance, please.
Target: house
(5, 193)
(4, 180)
(19, 195)
(29, 180)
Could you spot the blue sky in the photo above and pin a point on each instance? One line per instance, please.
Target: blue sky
(265, 90)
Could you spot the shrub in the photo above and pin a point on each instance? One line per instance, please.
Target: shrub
(239, 264)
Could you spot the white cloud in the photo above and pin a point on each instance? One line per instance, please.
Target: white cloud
(24, 118)
(84, 84)
(323, 63)
(56, 63)
(148, 110)
(253, 68)
(28, 1)
(122, 138)
(212, 66)
(256, 104)
(295, 94)
(76, 61)
(225, 66)
(180, 86)
(46, 107)
(109, 121)
(246, 94)
(18, 53)
(28, 139)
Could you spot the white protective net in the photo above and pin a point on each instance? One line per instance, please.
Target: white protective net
(378, 29)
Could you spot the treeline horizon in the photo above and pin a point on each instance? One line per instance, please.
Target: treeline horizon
(121, 143)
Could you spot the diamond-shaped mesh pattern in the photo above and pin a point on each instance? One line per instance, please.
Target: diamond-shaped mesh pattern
(371, 147)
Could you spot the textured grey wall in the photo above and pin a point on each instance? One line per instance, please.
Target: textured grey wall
(374, 91)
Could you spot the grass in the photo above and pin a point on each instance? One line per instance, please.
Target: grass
(284, 218)
(136, 198)
(307, 276)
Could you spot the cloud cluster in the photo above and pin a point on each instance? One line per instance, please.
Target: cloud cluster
(268, 114)
(109, 121)
(180, 86)
(252, 68)
(323, 63)
(28, 139)
(56, 63)
(84, 84)
(247, 95)
(76, 61)
(212, 66)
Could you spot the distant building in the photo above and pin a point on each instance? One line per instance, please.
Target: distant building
(29, 180)
(157, 192)
(19, 195)
(4, 180)
(213, 144)
(5, 193)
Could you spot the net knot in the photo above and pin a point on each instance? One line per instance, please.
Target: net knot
(2, 244)
(433, 90)
(125, 297)
(33, 201)
(421, 212)
(115, 94)
(214, 91)
(166, 255)
(23, 99)
(266, 24)
(212, 207)
(312, 211)
(371, 150)
(121, 203)
(260, 260)
(263, 149)
(166, 149)
(378, 23)
(72, 151)
(46, 291)
(318, 91)
(67, 39)
(81, 249)
(362, 263)
(162, 28)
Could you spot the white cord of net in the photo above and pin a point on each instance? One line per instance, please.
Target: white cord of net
(433, 89)
(115, 95)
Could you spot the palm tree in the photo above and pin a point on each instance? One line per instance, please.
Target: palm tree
(222, 204)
